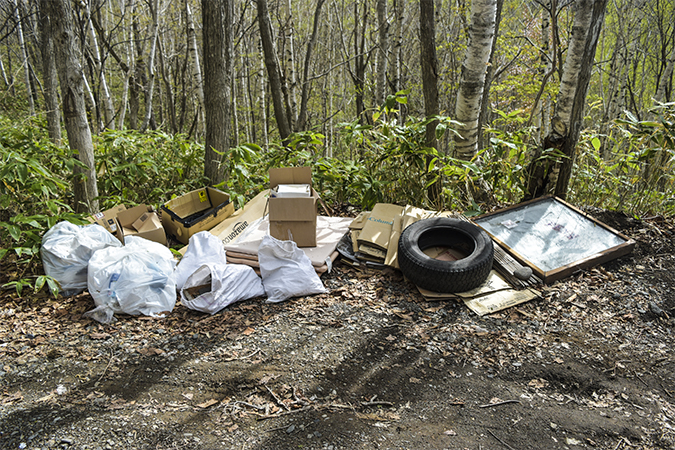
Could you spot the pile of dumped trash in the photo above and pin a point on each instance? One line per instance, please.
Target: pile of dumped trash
(143, 277)
(277, 246)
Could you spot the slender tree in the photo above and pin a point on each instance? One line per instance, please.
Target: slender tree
(273, 71)
(71, 79)
(50, 80)
(472, 83)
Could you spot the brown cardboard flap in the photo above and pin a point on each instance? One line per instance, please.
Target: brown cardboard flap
(290, 175)
(377, 230)
(293, 209)
(190, 203)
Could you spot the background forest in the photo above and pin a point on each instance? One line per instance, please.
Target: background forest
(169, 95)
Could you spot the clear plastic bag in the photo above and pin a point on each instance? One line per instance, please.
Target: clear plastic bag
(212, 287)
(66, 250)
(135, 279)
(286, 271)
(203, 248)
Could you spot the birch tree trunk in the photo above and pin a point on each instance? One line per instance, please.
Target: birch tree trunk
(472, 82)
(217, 36)
(273, 72)
(108, 109)
(552, 174)
(71, 78)
(150, 88)
(194, 54)
(289, 79)
(50, 80)
(24, 57)
(383, 52)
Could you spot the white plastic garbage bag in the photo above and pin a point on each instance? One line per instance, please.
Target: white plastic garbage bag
(66, 250)
(286, 271)
(203, 248)
(212, 287)
(135, 279)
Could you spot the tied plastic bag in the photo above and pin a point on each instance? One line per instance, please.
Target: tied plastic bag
(66, 250)
(135, 279)
(212, 287)
(203, 248)
(286, 271)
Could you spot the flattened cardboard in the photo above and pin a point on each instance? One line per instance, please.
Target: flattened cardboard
(377, 230)
(293, 218)
(195, 211)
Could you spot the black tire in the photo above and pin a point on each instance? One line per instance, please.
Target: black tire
(445, 276)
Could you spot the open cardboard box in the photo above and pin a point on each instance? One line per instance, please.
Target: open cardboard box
(293, 218)
(140, 221)
(198, 210)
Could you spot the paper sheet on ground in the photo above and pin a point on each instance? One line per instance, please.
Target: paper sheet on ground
(493, 295)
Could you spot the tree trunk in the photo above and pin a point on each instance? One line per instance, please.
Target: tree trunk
(383, 52)
(217, 36)
(108, 109)
(306, 83)
(289, 78)
(467, 111)
(74, 112)
(24, 57)
(50, 80)
(150, 87)
(665, 83)
(194, 54)
(430, 85)
(483, 118)
(552, 174)
(272, 65)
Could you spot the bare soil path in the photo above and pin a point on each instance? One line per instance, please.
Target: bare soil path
(370, 364)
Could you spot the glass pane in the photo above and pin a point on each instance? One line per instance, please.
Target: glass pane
(549, 234)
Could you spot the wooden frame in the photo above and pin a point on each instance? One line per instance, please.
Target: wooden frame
(552, 274)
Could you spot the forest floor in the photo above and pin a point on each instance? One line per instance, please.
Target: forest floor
(370, 364)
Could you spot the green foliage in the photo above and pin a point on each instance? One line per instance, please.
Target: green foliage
(152, 167)
(631, 169)
(34, 190)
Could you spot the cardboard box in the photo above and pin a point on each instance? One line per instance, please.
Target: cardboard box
(198, 210)
(293, 218)
(140, 221)
(108, 220)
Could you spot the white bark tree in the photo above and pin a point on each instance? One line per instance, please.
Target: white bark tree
(552, 174)
(467, 111)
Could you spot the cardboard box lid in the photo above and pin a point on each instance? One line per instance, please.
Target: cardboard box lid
(127, 217)
(290, 175)
(147, 221)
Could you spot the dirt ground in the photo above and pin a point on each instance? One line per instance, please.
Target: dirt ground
(370, 364)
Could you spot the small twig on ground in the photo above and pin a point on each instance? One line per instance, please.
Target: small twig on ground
(619, 444)
(490, 405)
(298, 399)
(638, 377)
(372, 402)
(500, 441)
(285, 413)
(106, 367)
(248, 356)
(277, 399)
